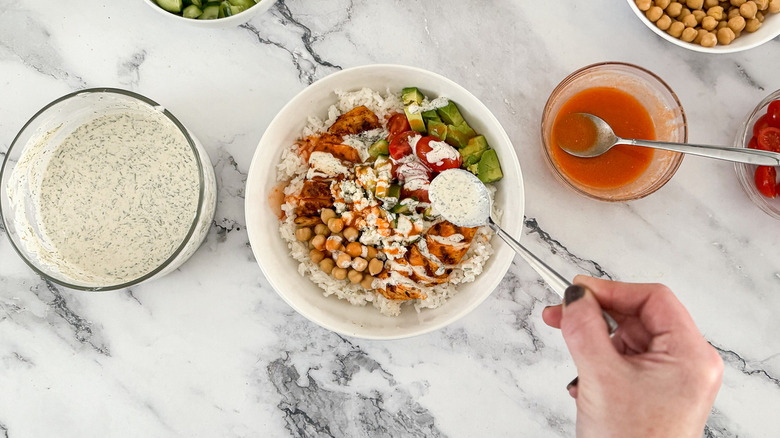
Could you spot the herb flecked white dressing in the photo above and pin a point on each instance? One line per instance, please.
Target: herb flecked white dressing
(461, 198)
(116, 198)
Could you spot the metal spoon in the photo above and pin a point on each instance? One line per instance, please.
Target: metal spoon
(461, 198)
(602, 139)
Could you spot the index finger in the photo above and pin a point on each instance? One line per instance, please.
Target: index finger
(655, 305)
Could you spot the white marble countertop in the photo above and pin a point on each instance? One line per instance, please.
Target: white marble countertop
(211, 350)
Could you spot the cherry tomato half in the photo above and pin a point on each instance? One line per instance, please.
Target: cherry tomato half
(399, 145)
(397, 124)
(760, 124)
(765, 181)
(768, 139)
(773, 113)
(419, 194)
(451, 158)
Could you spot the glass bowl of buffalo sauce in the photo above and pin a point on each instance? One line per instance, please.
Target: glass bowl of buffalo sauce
(636, 104)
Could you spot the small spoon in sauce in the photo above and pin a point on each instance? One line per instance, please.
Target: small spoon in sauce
(590, 136)
(461, 198)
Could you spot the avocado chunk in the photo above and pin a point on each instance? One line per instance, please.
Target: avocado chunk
(489, 169)
(411, 95)
(450, 115)
(416, 121)
(437, 129)
(473, 150)
(459, 135)
(430, 115)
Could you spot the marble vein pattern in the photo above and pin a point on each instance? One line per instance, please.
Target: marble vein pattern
(210, 350)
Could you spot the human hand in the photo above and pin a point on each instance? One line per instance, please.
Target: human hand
(656, 377)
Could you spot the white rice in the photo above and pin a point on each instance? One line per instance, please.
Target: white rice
(293, 168)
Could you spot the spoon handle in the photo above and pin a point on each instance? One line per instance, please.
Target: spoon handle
(748, 156)
(548, 274)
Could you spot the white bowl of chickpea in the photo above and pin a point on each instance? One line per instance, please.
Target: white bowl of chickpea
(273, 254)
(711, 26)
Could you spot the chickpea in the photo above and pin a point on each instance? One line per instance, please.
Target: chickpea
(354, 249)
(733, 12)
(737, 3)
(688, 35)
(359, 264)
(715, 12)
(327, 265)
(662, 3)
(689, 20)
(725, 36)
(368, 282)
(643, 5)
(316, 256)
(339, 273)
(371, 252)
(674, 9)
(355, 277)
(351, 233)
(326, 214)
(695, 4)
(709, 40)
(752, 25)
(684, 12)
(709, 23)
(676, 29)
(375, 266)
(318, 242)
(664, 22)
(333, 243)
(303, 234)
(762, 4)
(654, 13)
(710, 3)
(699, 36)
(748, 10)
(760, 16)
(343, 261)
(699, 15)
(321, 229)
(774, 6)
(335, 225)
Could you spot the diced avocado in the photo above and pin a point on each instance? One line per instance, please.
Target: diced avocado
(411, 95)
(394, 191)
(437, 129)
(473, 168)
(459, 135)
(416, 121)
(380, 147)
(449, 114)
(489, 169)
(430, 115)
(473, 150)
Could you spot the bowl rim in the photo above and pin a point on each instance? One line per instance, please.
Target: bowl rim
(744, 171)
(503, 263)
(201, 187)
(719, 49)
(655, 186)
(235, 20)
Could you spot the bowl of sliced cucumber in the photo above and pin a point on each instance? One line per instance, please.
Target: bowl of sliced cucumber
(211, 13)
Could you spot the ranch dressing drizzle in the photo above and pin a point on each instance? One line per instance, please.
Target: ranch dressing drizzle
(461, 198)
(117, 197)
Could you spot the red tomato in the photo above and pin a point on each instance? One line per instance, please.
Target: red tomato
(397, 124)
(419, 194)
(765, 181)
(768, 139)
(424, 147)
(399, 145)
(773, 113)
(752, 144)
(760, 124)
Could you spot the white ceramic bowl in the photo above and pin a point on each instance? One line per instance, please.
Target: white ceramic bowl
(231, 21)
(272, 253)
(768, 30)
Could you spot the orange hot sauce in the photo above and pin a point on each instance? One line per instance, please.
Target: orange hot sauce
(621, 164)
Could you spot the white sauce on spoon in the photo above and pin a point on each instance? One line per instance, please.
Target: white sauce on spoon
(461, 198)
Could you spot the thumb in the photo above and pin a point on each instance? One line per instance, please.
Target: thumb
(584, 329)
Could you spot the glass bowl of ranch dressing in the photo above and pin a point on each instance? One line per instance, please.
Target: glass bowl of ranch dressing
(104, 188)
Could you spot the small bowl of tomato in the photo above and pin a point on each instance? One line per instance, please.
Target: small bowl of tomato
(761, 130)
(636, 104)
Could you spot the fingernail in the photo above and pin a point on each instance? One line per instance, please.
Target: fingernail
(573, 383)
(573, 293)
